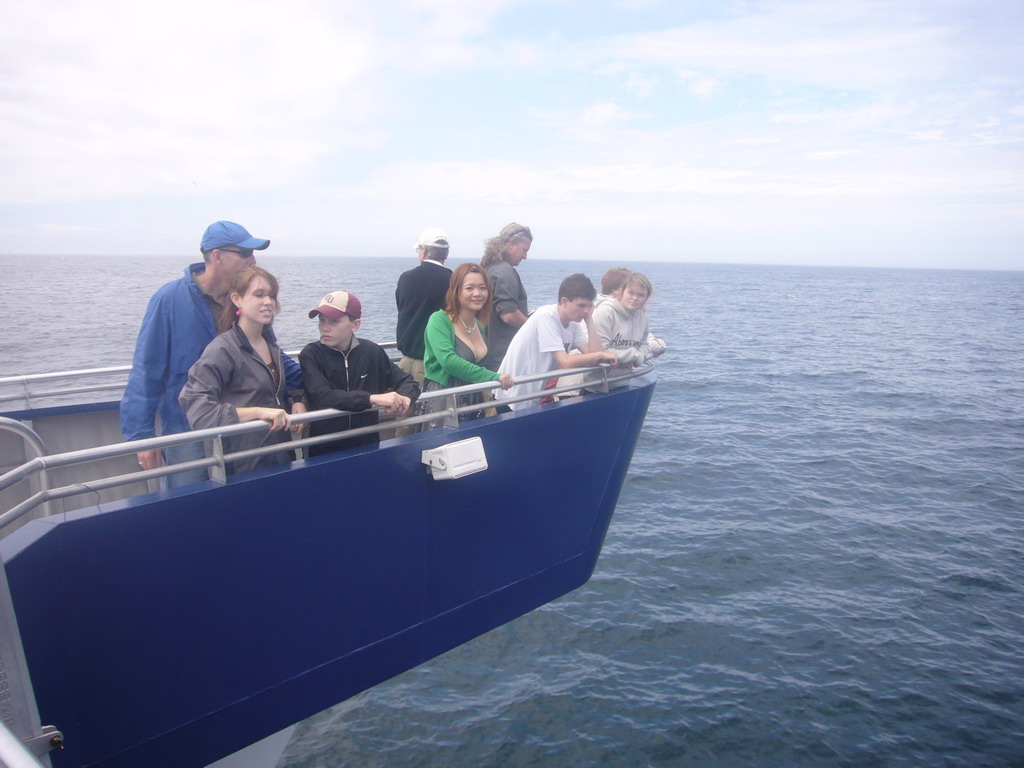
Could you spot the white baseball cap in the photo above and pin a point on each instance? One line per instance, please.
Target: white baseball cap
(432, 237)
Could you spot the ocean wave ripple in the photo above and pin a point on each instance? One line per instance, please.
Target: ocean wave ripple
(817, 557)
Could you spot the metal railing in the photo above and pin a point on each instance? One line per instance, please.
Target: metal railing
(32, 440)
(24, 389)
(13, 751)
(598, 379)
(24, 384)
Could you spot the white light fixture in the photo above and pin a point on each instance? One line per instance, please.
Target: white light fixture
(457, 459)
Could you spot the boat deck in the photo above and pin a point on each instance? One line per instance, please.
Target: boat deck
(171, 628)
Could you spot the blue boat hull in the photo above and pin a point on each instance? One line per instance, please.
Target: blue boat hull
(172, 629)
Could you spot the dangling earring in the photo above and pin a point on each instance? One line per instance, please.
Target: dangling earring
(238, 313)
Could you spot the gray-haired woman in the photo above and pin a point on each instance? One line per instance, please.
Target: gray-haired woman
(502, 254)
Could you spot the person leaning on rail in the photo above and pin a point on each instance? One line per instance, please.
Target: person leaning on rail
(612, 283)
(420, 292)
(350, 374)
(179, 322)
(550, 336)
(622, 323)
(456, 341)
(242, 374)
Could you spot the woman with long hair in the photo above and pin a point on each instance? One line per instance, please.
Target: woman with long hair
(243, 376)
(455, 339)
(512, 245)
(502, 254)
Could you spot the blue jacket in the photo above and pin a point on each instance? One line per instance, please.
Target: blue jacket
(175, 330)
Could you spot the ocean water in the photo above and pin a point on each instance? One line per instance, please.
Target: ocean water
(817, 558)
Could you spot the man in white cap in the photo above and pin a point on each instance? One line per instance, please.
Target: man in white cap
(180, 321)
(350, 374)
(421, 292)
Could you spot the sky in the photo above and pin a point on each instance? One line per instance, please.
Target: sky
(845, 133)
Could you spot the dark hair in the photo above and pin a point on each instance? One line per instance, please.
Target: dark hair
(613, 279)
(435, 253)
(452, 304)
(240, 285)
(496, 248)
(577, 286)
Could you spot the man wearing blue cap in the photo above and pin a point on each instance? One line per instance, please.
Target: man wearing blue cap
(179, 322)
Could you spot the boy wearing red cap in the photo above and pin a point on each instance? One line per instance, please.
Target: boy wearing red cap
(351, 374)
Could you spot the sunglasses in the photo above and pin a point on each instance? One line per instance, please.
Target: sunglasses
(245, 253)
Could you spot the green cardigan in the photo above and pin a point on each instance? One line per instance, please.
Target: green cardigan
(440, 363)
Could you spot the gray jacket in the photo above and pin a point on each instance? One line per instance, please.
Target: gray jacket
(509, 295)
(230, 375)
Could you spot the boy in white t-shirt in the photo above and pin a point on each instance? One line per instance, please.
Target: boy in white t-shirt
(551, 333)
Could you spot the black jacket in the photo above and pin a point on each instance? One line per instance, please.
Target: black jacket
(421, 291)
(345, 380)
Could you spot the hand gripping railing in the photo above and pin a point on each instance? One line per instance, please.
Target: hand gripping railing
(598, 379)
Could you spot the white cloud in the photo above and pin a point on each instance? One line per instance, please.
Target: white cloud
(303, 111)
(848, 45)
(510, 183)
(829, 154)
(65, 229)
(120, 99)
(596, 123)
(605, 113)
(641, 86)
(438, 34)
(704, 87)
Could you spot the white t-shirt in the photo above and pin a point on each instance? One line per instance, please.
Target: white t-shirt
(532, 350)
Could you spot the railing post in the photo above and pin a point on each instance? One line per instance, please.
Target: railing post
(17, 701)
(33, 440)
(451, 419)
(219, 471)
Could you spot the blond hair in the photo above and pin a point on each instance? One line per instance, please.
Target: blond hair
(636, 281)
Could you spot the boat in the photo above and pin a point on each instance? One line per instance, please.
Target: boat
(173, 628)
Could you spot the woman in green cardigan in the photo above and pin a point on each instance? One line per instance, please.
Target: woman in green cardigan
(455, 340)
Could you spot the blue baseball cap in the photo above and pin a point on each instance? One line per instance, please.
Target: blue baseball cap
(222, 233)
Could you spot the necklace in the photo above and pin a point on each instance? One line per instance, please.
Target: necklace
(469, 328)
